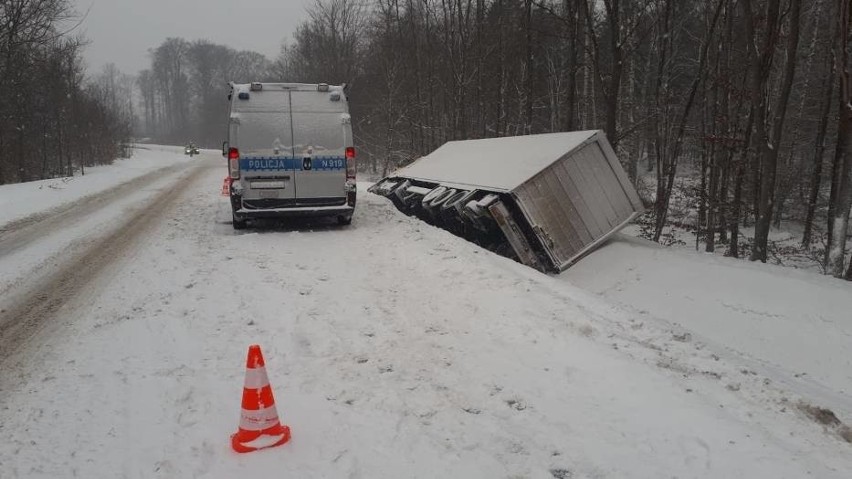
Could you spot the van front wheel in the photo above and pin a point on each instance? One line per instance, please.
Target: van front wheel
(238, 224)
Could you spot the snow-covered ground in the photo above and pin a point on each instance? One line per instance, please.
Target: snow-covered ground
(25, 199)
(398, 350)
(793, 326)
(44, 222)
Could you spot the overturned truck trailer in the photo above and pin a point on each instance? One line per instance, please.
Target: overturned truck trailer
(543, 200)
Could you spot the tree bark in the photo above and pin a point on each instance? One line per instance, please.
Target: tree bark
(672, 156)
(767, 145)
(840, 225)
(736, 210)
(836, 249)
(819, 150)
(610, 87)
(848, 276)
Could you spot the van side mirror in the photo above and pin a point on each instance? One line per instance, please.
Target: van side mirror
(224, 148)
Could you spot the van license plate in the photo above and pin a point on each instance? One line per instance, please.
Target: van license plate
(268, 185)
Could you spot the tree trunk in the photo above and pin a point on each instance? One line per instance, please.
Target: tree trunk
(673, 154)
(840, 225)
(610, 81)
(848, 276)
(529, 67)
(736, 210)
(574, 47)
(836, 169)
(614, 87)
(819, 149)
(723, 198)
(768, 146)
(836, 249)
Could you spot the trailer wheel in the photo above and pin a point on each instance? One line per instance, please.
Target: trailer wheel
(440, 199)
(433, 194)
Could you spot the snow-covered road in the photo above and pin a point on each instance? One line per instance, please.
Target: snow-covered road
(394, 349)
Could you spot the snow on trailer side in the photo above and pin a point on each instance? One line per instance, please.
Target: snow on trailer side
(544, 200)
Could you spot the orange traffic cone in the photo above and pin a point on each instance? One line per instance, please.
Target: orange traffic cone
(259, 425)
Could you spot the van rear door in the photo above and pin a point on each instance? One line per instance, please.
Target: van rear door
(320, 139)
(261, 128)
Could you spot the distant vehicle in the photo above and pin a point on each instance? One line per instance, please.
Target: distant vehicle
(290, 152)
(190, 150)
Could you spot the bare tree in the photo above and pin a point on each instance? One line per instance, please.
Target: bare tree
(766, 142)
(843, 168)
(53, 123)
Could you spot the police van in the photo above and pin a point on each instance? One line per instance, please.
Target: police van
(290, 152)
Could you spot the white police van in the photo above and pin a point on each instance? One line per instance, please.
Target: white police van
(290, 152)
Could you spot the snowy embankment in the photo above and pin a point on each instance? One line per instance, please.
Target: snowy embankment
(395, 350)
(793, 326)
(43, 223)
(21, 200)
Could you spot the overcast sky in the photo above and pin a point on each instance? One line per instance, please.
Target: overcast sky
(122, 31)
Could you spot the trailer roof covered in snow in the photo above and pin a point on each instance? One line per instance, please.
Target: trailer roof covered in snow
(569, 192)
(495, 163)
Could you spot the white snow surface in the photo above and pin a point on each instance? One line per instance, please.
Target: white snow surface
(496, 163)
(398, 350)
(20, 200)
(793, 326)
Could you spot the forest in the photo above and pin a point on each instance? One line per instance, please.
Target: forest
(54, 119)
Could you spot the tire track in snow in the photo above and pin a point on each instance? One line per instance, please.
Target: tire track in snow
(22, 232)
(34, 309)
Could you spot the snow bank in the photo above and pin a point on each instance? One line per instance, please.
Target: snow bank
(18, 201)
(792, 325)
